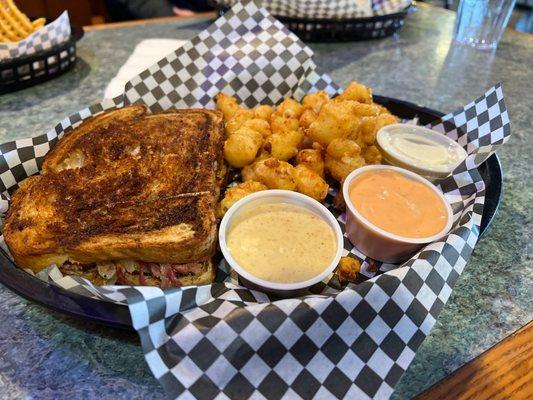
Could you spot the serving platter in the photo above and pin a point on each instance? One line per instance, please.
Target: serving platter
(118, 316)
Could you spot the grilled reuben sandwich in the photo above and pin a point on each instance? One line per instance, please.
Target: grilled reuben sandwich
(128, 197)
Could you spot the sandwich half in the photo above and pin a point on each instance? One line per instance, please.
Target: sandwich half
(127, 197)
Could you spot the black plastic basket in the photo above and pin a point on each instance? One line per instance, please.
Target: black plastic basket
(335, 30)
(30, 70)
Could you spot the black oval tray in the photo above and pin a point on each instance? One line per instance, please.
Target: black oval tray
(30, 70)
(116, 315)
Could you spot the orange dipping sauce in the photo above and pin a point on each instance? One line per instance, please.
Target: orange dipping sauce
(399, 205)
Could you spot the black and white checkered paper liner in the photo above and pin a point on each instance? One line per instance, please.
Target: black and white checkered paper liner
(50, 35)
(225, 341)
(327, 9)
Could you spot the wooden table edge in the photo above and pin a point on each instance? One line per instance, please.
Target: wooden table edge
(504, 371)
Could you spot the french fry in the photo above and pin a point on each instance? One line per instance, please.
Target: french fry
(38, 24)
(8, 32)
(20, 17)
(3, 37)
(14, 24)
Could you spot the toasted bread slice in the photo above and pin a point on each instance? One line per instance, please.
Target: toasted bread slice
(63, 155)
(141, 187)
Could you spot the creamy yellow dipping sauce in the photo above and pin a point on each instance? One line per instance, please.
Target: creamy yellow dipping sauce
(282, 243)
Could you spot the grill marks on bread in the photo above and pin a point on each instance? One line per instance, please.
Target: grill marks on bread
(124, 174)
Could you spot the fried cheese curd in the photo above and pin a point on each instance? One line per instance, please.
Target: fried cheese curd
(272, 173)
(312, 159)
(237, 192)
(348, 269)
(295, 145)
(342, 157)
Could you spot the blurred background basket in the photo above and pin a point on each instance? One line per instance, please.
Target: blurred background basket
(22, 72)
(335, 30)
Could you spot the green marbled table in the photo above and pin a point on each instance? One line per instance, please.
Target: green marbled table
(46, 355)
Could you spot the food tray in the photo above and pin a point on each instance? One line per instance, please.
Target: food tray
(22, 72)
(335, 30)
(116, 315)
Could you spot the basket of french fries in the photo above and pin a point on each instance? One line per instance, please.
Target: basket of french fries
(32, 50)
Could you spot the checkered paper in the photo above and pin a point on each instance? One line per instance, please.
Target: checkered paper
(326, 9)
(50, 35)
(225, 341)
(247, 52)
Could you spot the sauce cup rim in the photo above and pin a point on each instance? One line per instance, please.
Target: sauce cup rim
(381, 232)
(442, 170)
(325, 215)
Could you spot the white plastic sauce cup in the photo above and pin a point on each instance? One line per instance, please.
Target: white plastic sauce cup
(275, 197)
(432, 172)
(377, 243)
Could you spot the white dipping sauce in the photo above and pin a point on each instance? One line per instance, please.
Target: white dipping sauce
(423, 149)
(419, 149)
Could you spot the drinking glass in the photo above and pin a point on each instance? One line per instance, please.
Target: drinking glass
(480, 23)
